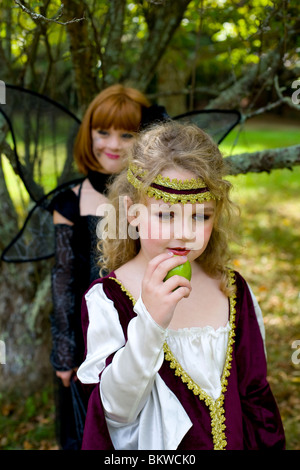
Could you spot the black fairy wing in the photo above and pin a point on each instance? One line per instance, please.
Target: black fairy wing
(36, 239)
(216, 122)
(40, 134)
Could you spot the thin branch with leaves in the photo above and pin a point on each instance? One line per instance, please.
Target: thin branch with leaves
(54, 19)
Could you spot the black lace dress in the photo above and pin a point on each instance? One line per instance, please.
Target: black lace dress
(75, 268)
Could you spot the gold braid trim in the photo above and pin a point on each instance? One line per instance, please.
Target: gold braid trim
(193, 183)
(182, 198)
(124, 289)
(216, 407)
(169, 184)
(178, 184)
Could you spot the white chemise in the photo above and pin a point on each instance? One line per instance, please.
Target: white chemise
(205, 346)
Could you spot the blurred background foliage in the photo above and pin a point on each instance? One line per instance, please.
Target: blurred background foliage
(199, 48)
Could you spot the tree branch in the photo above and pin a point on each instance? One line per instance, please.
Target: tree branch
(258, 74)
(266, 160)
(39, 17)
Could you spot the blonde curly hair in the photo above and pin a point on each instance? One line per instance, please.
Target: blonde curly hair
(179, 146)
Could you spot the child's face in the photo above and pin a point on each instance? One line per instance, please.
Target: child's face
(110, 148)
(183, 229)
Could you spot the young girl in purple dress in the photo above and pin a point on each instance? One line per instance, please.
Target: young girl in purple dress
(177, 363)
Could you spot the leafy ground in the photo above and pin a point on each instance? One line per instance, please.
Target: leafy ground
(268, 257)
(27, 423)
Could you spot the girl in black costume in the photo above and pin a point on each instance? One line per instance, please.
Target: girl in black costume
(106, 134)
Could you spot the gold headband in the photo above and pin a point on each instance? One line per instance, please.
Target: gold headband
(172, 191)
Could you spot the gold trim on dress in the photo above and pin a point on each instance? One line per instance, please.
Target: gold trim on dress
(216, 407)
(124, 289)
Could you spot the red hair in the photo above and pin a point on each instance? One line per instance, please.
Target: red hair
(118, 107)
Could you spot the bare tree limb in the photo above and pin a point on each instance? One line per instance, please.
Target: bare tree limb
(263, 109)
(258, 74)
(39, 17)
(266, 160)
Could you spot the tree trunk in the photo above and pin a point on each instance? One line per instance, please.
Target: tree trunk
(25, 306)
(82, 53)
(163, 20)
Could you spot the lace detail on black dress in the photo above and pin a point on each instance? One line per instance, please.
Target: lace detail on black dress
(62, 321)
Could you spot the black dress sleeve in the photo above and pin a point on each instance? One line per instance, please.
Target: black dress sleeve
(63, 355)
(67, 204)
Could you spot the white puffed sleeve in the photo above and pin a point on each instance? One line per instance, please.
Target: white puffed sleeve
(141, 411)
(104, 334)
(127, 382)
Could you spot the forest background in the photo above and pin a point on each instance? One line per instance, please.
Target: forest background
(185, 55)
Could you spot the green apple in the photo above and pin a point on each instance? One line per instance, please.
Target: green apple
(184, 270)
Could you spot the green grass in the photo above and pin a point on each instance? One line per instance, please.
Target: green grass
(261, 134)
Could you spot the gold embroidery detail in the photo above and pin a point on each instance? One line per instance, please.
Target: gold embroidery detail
(178, 184)
(182, 198)
(216, 407)
(136, 182)
(124, 289)
(173, 184)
